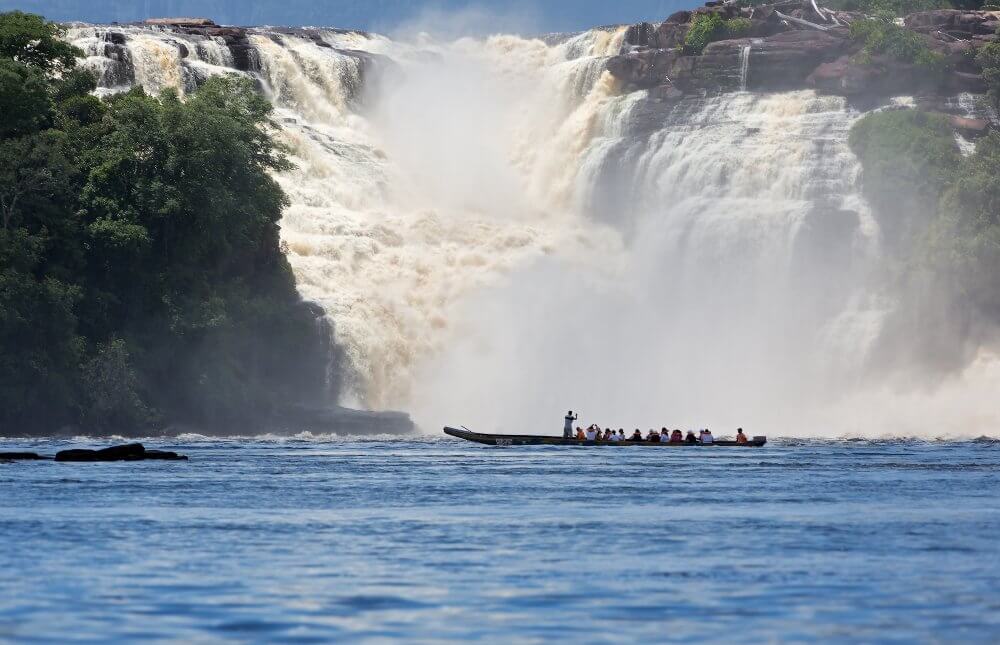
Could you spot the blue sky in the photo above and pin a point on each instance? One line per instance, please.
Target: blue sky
(530, 16)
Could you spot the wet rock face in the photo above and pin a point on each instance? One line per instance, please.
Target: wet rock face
(244, 54)
(782, 61)
(954, 22)
(785, 54)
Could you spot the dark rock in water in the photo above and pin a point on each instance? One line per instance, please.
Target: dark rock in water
(127, 452)
(15, 456)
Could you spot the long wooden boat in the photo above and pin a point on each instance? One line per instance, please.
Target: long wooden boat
(541, 440)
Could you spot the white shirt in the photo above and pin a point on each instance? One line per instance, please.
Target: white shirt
(615, 437)
(706, 437)
(664, 437)
(568, 426)
(591, 434)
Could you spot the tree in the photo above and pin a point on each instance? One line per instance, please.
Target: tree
(908, 158)
(25, 105)
(31, 40)
(141, 274)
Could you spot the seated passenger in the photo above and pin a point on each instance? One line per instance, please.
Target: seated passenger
(676, 437)
(579, 434)
(706, 436)
(621, 434)
(592, 433)
(653, 436)
(636, 436)
(664, 435)
(612, 436)
(690, 438)
(607, 435)
(740, 437)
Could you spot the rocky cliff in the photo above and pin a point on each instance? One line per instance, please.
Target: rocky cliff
(797, 45)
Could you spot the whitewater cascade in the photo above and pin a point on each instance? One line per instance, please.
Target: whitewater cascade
(499, 233)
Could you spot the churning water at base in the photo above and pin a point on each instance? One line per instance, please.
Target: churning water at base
(430, 541)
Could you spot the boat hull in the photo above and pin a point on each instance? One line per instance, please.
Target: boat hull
(541, 440)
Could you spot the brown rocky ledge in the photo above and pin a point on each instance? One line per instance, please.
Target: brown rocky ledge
(792, 46)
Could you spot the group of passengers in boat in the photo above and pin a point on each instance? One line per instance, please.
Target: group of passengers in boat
(595, 433)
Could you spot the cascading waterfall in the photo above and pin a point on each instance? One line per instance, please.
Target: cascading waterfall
(744, 67)
(497, 232)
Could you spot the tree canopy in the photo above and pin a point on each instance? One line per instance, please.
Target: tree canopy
(141, 276)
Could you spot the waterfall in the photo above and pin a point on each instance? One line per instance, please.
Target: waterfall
(497, 231)
(744, 66)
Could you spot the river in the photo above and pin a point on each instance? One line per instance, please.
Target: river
(311, 540)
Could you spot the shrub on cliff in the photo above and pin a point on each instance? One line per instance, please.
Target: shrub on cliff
(882, 36)
(939, 212)
(966, 239)
(988, 58)
(709, 27)
(908, 158)
(141, 275)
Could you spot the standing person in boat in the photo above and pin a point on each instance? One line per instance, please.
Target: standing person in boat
(706, 436)
(690, 438)
(568, 424)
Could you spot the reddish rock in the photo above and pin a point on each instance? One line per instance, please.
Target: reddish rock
(971, 127)
(180, 22)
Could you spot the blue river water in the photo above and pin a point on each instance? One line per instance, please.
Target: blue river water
(305, 540)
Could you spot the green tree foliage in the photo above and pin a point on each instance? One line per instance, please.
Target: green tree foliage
(141, 278)
(908, 157)
(988, 58)
(709, 27)
(938, 210)
(882, 36)
(31, 40)
(966, 239)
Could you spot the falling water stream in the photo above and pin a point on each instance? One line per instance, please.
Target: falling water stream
(498, 231)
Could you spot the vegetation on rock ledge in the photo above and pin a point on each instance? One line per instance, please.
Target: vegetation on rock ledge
(709, 27)
(939, 211)
(882, 36)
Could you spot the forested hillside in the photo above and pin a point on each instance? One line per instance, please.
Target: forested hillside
(142, 281)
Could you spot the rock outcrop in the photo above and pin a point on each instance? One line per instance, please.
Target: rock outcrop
(127, 452)
(789, 45)
(19, 456)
